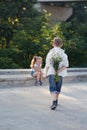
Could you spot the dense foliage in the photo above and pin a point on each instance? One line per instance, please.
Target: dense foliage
(25, 32)
(21, 28)
(75, 33)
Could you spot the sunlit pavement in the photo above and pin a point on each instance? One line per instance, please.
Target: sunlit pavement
(28, 108)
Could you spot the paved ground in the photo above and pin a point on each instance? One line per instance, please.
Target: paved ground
(28, 108)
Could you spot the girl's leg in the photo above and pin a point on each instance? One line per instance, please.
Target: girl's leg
(41, 76)
(37, 75)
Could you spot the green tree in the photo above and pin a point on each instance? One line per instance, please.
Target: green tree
(36, 38)
(21, 30)
(79, 11)
(75, 33)
(11, 14)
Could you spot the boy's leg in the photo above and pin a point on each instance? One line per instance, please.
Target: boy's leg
(58, 88)
(53, 91)
(54, 100)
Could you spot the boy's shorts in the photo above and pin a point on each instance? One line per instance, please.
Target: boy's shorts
(32, 73)
(54, 87)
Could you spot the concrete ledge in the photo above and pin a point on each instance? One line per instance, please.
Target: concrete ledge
(22, 77)
(77, 70)
(14, 71)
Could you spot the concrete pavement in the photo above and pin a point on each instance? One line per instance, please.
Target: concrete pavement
(28, 108)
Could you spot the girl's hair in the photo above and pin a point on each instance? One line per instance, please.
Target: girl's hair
(39, 58)
(33, 61)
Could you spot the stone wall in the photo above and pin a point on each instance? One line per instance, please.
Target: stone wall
(58, 13)
(22, 77)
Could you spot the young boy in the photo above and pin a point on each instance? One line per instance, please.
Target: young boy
(55, 86)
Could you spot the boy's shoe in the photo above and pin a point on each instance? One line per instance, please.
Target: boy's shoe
(54, 105)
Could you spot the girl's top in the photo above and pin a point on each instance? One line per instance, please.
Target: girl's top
(35, 65)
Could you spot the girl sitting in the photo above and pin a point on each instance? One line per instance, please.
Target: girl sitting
(36, 69)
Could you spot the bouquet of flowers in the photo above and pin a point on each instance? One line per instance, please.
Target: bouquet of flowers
(55, 60)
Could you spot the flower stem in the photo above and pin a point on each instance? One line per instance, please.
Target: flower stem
(57, 78)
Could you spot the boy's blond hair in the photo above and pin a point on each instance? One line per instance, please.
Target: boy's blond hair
(57, 41)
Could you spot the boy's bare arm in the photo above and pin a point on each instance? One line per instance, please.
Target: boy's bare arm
(47, 71)
(61, 69)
